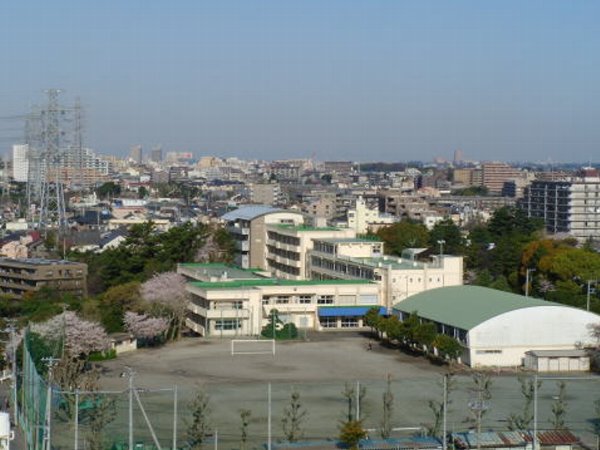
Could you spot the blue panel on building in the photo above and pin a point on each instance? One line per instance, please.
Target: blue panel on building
(347, 311)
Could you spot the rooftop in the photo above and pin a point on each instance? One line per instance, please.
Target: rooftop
(220, 270)
(357, 240)
(242, 284)
(306, 228)
(36, 261)
(251, 212)
(466, 307)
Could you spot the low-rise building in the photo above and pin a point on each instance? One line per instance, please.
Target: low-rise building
(20, 276)
(499, 328)
(288, 246)
(397, 278)
(239, 302)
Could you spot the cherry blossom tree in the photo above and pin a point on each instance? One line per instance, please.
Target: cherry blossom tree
(81, 337)
(143, 326)
(167, 296)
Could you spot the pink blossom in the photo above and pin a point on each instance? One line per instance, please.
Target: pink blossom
(144, 326)
(80, 336)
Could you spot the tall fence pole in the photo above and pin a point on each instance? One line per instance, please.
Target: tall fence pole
(175, 417)
(76, 419)
(445, 420)
(535, 411)
(269, 417)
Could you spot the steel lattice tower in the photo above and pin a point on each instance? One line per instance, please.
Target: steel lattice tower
(52, 197)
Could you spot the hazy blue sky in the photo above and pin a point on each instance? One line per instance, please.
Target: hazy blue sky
(364, 80)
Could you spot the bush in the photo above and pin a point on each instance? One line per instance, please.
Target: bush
(103, 356)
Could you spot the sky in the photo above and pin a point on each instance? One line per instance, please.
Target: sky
(364, 80)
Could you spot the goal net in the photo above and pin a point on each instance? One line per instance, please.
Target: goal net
(253, 347)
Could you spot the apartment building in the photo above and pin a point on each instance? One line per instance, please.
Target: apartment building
(495, 174)
(570, 206)
(266, 194)
(235, 302)
(248, 226)
(468, 176)
(288, 245)
(21, 276)
(397, 278)
(363, 219)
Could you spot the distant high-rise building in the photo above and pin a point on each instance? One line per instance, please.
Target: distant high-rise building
(20, 162)
(458, 156)
(136, 154)
(156, 155)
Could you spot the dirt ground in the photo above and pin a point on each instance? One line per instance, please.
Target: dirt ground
(319, 369)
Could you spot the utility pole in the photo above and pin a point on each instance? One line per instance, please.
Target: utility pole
(528, 271)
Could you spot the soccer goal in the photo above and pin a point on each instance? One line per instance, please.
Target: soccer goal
(252, 347)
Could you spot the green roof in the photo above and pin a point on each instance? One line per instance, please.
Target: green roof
(240, 284)
(205, 270)
(357, 240)
(306, 228)
(466, 307)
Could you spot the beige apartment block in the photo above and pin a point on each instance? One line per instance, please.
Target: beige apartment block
(288, 246)
(21, 276)
(248, 226)
(495, 174)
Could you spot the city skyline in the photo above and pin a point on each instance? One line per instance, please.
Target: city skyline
(364, 81)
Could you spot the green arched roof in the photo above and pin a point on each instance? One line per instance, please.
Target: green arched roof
(466, 307)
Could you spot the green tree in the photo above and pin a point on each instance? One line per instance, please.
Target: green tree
(116, 301)
(142, 192)
(403, 235)
(351, 433)
(276, 329)
(373, 318)
(447, 346)
(425, 334)
(447, 231)
(108, 190)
